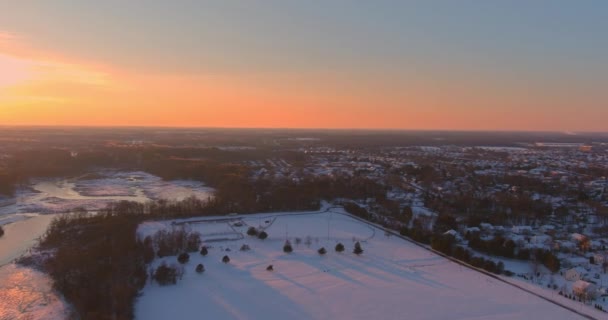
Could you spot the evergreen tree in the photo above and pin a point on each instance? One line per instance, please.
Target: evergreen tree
(200, 268)
(287, 248)
(183, 258)
(322, 251)
(339, 247)
(252, 231)
(226, 259)
(358, 250)
(204, 251)
(263, 235)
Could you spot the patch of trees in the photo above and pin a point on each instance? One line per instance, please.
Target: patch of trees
(166, 274)
(8, 182)
(356, 210)
(417, 233)
(171, 242)
(98, 264)
(497, 246)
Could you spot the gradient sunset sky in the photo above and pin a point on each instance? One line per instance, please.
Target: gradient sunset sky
(450, 65)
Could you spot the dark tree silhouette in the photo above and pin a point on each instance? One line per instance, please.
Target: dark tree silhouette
(245, 247)
(252, 231)
(226, 259)
(339, 247)
(287, 248)
(200, 268)
(358, 250)
(204, 251)
(322, 251)
(183, 258)
(270, 268)
(1, 231)
(165, 275)
(263, 235)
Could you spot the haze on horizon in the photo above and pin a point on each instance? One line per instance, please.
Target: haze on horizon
(449, 65)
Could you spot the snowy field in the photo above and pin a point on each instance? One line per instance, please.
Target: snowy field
(392, 279)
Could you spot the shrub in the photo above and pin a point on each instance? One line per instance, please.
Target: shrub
(200, 268)
(263, 235)
(204, 251)
(165, 275)
(322, 251)
(183, 258)
(358, 250)
(252, 231)
(287, 248)
(226, 259)
(508, 273)
(245, 247)
(339, 247)
(270, 268)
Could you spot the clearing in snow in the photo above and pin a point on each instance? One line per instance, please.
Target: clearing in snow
(392, 279)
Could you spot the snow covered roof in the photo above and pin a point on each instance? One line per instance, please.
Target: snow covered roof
(582, 286)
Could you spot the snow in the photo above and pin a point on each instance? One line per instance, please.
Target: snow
(392, 279)
(94, 191)
(25, 293)
(28, 294)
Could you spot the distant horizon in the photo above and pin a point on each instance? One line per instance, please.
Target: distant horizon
(374, 65)
(77, 126)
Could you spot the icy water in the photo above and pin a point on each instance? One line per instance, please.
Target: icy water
(28, 294)
(20, 236)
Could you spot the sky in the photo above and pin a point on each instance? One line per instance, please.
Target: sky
(390, 64)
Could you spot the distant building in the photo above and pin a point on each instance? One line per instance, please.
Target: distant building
(575, 274)
(584, 289)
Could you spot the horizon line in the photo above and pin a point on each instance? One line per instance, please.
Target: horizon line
(370, 129)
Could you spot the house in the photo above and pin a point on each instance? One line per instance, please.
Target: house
(575, 274)
(584, 289)
(576, 262)
(599, 258)
(521, 229)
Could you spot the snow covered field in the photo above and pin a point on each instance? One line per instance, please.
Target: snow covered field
(392, 279)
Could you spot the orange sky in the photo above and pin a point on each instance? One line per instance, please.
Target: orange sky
(44, 87)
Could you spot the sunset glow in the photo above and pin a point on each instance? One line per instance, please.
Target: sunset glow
(249, 80)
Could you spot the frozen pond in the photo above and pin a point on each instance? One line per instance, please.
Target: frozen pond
(94, 191)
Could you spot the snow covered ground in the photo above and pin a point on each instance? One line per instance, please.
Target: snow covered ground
(25, 293)
(28, 294)
(392, 279)
(96, 190)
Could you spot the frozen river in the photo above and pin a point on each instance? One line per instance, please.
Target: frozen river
(27, 294)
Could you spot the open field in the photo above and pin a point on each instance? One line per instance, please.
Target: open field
(392, 279)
